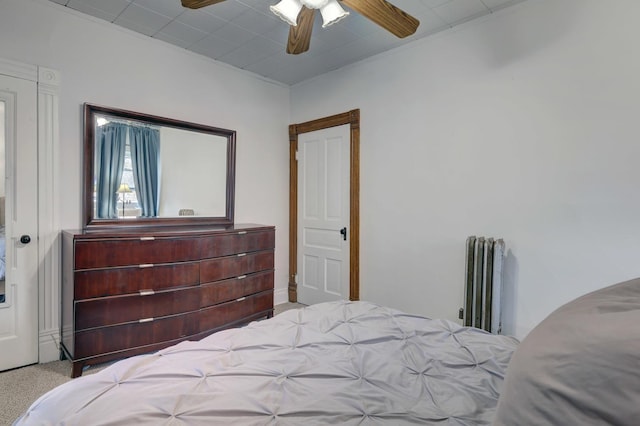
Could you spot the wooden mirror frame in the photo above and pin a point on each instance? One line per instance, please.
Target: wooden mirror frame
(92, 223)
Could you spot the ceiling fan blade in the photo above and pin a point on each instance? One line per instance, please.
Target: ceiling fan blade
(386, 15)
(300, 35)
(197, 4)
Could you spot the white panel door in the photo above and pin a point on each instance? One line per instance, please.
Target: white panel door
(323, 215)
(19, 239)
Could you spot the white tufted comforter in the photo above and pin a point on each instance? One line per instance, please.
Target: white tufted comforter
(339, 363)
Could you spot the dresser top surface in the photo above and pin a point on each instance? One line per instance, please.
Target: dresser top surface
(166, 231)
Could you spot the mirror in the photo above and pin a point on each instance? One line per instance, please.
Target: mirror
(145, 170)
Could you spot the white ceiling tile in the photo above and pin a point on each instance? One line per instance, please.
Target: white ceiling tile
(259, 4)
(269, 66)
(251, 52)
(279, 33)
(134, 26)
(348, 53)
(227, 10)
(256, 22)
(172, 40)
(434, 3)
(201, 21)
(456, 11)
(111, 7)
(234, 33)
(357, 24)
(379, 42)
(265, 46)
(176, 30)
(334, 36)
(108, 12)
(109, 17)
(213, 47)
(299, 68)
(169, 8)
(141, 19)
(499, 4)
(429, 21)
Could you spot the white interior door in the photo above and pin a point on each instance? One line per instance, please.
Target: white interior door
(18, 214)
(323, 215)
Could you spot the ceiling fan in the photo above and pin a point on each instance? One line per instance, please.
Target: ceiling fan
(300, 15)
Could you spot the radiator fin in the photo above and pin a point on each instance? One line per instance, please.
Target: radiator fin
(483, 287)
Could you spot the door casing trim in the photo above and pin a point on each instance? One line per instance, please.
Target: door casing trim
(48, 92)
(352, 118)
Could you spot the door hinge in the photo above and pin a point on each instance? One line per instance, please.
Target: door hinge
(297, 155)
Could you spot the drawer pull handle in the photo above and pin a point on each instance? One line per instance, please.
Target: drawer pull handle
(146, 265)
(242, 277)
(240, 299)
(147, 238)
(147, 292)
(242, 232)
(145, 320)
(241, 254)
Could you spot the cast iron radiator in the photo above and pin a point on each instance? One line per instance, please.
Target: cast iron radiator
(483, 287)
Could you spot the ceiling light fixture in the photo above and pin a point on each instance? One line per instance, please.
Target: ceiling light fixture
(288, 10)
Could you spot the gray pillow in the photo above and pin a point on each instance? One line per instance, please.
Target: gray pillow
(580, 366)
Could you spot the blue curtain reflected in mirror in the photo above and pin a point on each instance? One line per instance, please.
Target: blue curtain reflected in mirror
(111, 143)
(145, 152)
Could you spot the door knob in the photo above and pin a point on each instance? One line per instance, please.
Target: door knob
(25, 239)
(343, 231)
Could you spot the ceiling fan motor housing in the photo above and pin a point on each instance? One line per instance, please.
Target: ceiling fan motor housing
(314, 4)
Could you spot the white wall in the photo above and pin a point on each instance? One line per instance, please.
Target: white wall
(523, 125)
(103, 64)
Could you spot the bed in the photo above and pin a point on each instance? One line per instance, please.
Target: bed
(347, 363)
(580, 366)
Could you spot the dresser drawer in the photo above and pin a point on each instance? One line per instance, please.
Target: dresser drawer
(127, 280)
(120, 309)
(103, 253)
(233, 266)
(125, 292)
(224, 291)
(234, 311)
(103, 340)
(239, 242)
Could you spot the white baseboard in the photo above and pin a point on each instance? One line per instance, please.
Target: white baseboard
(280, 296)
(49, 346)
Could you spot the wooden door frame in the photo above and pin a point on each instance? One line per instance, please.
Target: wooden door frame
(352, 118)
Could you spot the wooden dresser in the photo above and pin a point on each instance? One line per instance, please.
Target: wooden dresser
(132, 292)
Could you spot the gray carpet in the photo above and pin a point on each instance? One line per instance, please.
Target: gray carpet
(19, 388)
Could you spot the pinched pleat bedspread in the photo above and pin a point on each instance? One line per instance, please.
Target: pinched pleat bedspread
(339, 363)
